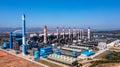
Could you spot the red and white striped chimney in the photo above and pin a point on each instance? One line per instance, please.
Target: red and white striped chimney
(45, 34)
(89, 33)
(63, 32)
(69, 32)
(82, 32)
(74, 32)
(57, 31)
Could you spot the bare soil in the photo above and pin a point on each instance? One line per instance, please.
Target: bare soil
(8, 60)
(109, 65)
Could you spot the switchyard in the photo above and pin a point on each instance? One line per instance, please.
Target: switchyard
(59, 47)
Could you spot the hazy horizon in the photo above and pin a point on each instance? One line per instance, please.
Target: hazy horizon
(98, 14)
(38, 29)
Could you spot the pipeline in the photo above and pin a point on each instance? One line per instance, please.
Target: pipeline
(79, 47)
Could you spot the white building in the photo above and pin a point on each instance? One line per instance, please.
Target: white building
(102, 45)
(114, 44)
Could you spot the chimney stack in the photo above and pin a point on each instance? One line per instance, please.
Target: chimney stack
(78, 34)
(23, 35)
(89, 35)
(82, 32)
(74, 32)
(63, 32)
(69, 32)
(45, 34)
(57, 31)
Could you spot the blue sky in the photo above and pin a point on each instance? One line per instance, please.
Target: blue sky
(98, 14)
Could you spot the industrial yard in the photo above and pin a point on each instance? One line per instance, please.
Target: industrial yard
(71, 48)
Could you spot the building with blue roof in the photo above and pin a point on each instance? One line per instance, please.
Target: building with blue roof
(87, 53)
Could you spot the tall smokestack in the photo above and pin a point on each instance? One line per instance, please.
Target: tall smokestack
(45, 34)
(82, 31)
(57, 31)
(69, 32)
(23, 35)
(78, 34)
(63, 32)
(74, 32)
(89, 33)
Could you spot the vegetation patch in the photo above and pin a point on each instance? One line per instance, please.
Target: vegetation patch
(113, 57)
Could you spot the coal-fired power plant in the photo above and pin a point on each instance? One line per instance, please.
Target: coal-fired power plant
(45, 34)
(54, 44)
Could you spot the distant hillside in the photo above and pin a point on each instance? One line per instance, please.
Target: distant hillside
(112, 31)
(4, 29)
(28, 29)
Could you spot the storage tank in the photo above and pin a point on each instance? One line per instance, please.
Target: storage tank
(36, 54)
(5, 45)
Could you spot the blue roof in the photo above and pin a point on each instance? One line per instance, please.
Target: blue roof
(46, 47)
(88, 53)
(6, 42)
(16, 34)
(18, 39)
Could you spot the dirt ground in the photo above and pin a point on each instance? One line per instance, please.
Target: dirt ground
(48, 63)
(8, 60)
(109, 65)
